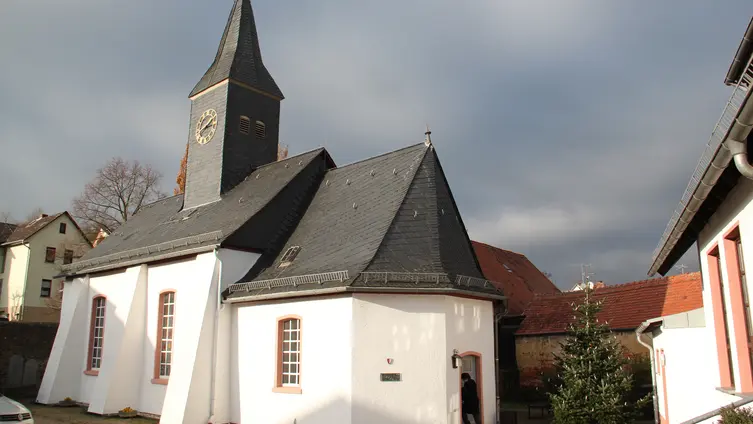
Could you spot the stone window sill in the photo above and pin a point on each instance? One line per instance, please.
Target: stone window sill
(731, 391)
(288, 390)
(162, 381)
(92, 372)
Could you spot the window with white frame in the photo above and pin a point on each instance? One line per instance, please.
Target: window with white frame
(289, 373)
(166, 326)
(97, 337)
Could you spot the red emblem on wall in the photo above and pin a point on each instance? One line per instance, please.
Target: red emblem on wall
(390, 360)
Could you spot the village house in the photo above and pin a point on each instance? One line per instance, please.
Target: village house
(520, 280)
(624, 308)
(280, 291)
(703, 360)
(31, 256)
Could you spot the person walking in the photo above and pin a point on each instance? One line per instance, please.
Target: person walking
(470, 404)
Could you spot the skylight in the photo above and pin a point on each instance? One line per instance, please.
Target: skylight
(289, 256)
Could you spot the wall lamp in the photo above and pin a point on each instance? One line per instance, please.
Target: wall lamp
(456, 359)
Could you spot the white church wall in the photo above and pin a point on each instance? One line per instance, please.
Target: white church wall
(235, 264)
(116, 386)
(470, 330)
(326, 358)
(63, 374)
(409, 330)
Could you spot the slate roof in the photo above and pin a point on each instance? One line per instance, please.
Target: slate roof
(5, 231)
(239, 55)
(389, 221)
(162, 229)
(517, 276)
(625, 306)
(23, 232)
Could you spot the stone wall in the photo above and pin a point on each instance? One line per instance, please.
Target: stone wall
(535, 354)
(24, 349)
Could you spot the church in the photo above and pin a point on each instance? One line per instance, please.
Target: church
(279, 291)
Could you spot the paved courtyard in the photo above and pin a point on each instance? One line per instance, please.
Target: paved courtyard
(76, 415)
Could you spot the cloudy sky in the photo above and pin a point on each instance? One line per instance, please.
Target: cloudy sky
(568, 129)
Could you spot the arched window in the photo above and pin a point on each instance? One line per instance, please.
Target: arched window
(96, 335)
(163, 356)
(245, 125)
(261, 130)
(288, 378)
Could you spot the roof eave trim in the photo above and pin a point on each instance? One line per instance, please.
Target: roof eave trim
(349, 289)
(151, 259)
(706, 181)
(647, 324)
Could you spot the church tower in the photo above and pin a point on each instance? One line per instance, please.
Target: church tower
(235, 114)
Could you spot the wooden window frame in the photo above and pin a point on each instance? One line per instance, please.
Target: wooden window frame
(721, 325)
(158, 378)
(90, 355)
(67, 256)
(62, 228)
(279, 387)
(739, 306)
(50, 251)
(42, 289)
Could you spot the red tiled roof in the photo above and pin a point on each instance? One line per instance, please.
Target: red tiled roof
(519, 279)
(625, 306)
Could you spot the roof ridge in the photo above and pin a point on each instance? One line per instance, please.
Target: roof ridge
(289, 158)
(380, 155)
(631, 285)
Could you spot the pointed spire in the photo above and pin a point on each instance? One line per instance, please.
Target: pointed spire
(239, 55)
(427, 140)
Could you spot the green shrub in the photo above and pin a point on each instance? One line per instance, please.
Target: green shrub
(731, 415)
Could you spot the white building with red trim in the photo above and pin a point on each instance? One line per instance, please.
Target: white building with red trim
(702, 359)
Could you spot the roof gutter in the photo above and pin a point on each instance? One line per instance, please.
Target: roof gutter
(744, 51)
(638, 334)
(725, 143)
(349, 289)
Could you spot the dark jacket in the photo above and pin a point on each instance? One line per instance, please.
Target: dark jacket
(470, 397)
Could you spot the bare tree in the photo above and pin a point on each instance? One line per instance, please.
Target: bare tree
(118, 191)
(34, 214)
(6, 218)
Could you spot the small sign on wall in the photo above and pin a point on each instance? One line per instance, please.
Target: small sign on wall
(390, 377)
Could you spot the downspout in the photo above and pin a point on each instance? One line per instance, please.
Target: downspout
(638, 333)
(26, 278)
(497, 319)
(218, 307)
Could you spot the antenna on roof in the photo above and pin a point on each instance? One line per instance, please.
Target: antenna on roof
(682, 268)
(427, 140)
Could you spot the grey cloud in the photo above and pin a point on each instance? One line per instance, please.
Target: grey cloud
(568, 130)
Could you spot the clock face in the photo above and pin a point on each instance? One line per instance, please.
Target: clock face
(206, 126)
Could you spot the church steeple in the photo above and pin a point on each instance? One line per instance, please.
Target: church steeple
(239, 55)
(235, 114)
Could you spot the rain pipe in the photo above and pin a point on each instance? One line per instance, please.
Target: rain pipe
(217, 309)
(638, 333)
(737, 139)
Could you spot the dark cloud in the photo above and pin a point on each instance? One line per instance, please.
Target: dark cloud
(568, 130)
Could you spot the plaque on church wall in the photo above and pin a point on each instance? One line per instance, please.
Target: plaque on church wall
(389, 377)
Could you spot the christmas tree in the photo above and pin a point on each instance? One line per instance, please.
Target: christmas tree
(594, 383)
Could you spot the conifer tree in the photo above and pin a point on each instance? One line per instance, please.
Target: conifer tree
(594, 382)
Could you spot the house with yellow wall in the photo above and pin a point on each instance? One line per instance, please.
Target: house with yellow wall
(31, 255)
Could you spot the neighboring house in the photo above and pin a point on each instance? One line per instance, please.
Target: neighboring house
(624, 308)
(590, 284)
(520, 281)
(31, 255)
(279, 291)
(704, 362)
